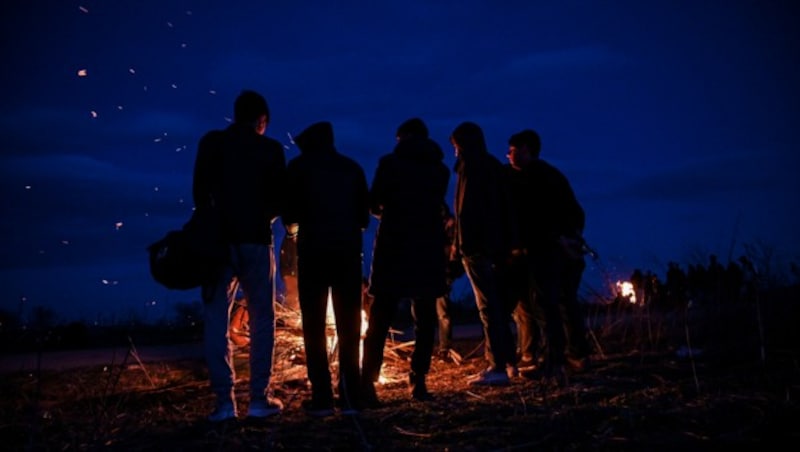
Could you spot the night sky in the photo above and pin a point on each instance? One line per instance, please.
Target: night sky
(676, 121)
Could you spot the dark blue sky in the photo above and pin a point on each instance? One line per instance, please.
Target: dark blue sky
(676, 121)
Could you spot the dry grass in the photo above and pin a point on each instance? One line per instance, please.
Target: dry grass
(637, 395)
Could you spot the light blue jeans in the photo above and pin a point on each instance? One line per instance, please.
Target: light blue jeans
(254, 266)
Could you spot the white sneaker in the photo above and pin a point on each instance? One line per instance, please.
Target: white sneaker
(490, 377)
(261, 408)
(223, 413)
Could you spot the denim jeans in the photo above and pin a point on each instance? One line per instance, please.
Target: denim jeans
(254, 266)
(493, 310)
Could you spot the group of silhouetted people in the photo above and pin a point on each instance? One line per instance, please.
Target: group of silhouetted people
(709, 284)
(515, 230)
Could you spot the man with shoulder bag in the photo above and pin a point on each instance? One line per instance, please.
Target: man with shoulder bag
(241, 171)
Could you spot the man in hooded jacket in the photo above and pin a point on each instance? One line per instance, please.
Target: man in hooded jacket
(327, 207)
(485, 240)
(407, 195)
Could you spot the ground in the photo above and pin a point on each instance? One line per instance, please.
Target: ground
(642, 391)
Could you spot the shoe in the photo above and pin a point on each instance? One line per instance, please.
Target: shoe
(264, 408)
(419, 390)
(316, 409)
(512, 371)
(490, 377)
(223, 413)
(577, 365)
(528, 364)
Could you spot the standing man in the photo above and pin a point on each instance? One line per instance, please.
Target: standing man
(241, 172)
(327, 207)
(555, 225)
(407, 195)
(485, 239)
(527, 314)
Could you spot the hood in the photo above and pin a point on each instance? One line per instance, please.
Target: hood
(470, 139)
(419, 148)
(317, 137)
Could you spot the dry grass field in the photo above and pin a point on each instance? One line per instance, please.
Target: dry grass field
(658, 381)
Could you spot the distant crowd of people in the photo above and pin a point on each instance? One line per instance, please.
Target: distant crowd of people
(515, 230)
(708, 284)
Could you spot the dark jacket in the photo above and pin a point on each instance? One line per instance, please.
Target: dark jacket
(485, 222)
(407, 194)
(327, 194)
(243, 174)
(549, 208)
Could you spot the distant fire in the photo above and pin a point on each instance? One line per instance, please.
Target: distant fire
(625, 290)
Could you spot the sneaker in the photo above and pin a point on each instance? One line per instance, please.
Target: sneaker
(223, 413)
(577, 365)
(528, 364)
(490, 377)
(316, 409)
(261, 408)
(512, 371)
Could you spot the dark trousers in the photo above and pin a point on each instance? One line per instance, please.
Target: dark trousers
(492, 303)
(528, 315)
(574, 313)
(381, 314)
(341, 274)
(547, 273)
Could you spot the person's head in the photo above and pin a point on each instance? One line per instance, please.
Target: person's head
(467, 138)
(251, 108)
(523, 147)
(317, 137)
(413, 127)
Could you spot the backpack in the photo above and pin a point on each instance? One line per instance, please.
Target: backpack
(189, 257)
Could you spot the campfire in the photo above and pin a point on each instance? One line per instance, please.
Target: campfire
(289, 360)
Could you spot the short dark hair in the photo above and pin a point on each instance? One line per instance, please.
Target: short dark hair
(249, 106)
(528, 138)
(413, 127)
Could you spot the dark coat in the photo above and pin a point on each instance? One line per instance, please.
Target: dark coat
(327, 195)
(550, 205)
(407, 195)
(485, 222)
(244, 173)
